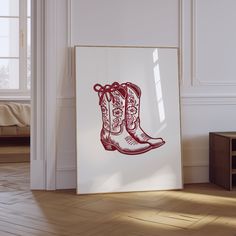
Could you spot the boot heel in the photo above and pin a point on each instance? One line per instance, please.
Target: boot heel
(108, 146)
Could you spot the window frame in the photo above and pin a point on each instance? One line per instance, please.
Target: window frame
(23, 92)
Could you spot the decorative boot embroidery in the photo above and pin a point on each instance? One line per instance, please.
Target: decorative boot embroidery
(120, 121)
(133, 116)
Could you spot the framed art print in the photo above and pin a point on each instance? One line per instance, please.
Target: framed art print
(128, 119)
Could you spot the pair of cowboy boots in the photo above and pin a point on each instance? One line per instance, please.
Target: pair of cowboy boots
(121, 130)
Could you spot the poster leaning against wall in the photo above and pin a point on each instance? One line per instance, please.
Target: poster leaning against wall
(128, 119)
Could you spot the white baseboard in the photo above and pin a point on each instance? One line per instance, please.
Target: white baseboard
(37, 175)
(196, 174)
(66, 178)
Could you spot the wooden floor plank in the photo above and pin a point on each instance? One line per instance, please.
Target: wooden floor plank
(198, 210)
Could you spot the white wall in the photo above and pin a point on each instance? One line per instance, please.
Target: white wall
(208, 79)
(202, 29)
(132, 22)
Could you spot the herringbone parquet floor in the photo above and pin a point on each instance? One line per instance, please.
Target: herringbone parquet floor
(197, 210)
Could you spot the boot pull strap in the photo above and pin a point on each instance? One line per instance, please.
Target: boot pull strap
(135, 88)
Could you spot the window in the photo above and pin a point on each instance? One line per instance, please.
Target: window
(15, 42)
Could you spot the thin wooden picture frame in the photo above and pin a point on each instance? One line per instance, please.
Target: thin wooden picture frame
(124, 140)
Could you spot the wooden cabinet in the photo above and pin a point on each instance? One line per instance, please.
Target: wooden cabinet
(222, 161)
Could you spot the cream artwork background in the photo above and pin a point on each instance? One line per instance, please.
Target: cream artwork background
(146, 155)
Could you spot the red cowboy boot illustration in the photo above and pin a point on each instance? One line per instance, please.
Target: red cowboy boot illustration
(114, 135)
(133, 116)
